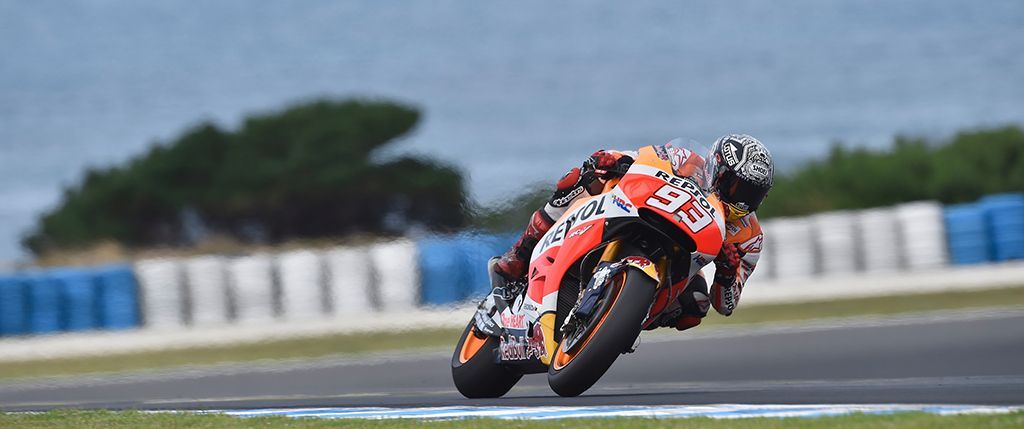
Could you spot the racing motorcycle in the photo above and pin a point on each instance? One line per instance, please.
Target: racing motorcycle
(602, 273)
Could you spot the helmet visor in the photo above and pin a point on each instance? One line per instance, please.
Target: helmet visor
(740, 193)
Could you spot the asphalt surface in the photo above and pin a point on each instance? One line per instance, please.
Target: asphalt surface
(973, 357)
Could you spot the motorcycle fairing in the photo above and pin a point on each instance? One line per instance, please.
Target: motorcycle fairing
(649, 185)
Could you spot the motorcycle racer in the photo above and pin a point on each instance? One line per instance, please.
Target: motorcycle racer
(739, 170)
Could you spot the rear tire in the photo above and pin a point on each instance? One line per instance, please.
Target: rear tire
(475, 372)
(608, 339)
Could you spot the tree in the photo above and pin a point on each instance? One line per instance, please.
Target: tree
(307, 171)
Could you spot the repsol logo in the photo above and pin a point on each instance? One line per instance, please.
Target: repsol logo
(591, 210)
(689, 186)
(678, 182)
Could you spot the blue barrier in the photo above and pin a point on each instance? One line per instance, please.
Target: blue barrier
(118, 297)
(477, 250)
(967, 234)
(454, 268)
(1005, 215)
(13, 306)
(79, 310)
(44, 303)
(440, 271)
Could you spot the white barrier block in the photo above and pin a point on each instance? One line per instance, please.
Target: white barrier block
(397, 269)
(302, 285)
(879, 238)
(923, 234)
(836, 237)
(349, 279)
(206, 277)
(160, 286)
(252, 283)
(794, 250)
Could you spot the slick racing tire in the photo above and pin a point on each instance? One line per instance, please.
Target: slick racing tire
(614, 328)
(474, 370)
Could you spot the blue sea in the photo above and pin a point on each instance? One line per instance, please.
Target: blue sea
(513, 93)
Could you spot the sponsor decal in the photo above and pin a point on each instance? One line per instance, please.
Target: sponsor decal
(759, 168)
(563, 201)
(733, 228)
(753, 245)
(513, 321)
(593, 209)
(579, 232)
(529, 307)
(523, 347)
(623, 204)
(732, 152)
(639, 262)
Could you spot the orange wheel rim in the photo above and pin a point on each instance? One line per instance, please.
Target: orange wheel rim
(563, 358)
(470, 346)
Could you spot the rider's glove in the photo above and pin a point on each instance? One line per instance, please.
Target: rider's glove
(725, 292)
(728, 259)
(604, 164)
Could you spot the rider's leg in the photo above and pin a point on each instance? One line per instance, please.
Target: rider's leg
(694, 303)
(687, 308)
(513, 264)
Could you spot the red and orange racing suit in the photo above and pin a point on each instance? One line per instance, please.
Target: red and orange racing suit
(743, 233)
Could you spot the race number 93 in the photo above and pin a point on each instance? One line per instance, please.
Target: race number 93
(683, 205)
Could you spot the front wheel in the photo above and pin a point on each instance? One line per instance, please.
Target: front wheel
(474, 369)
(613, 330)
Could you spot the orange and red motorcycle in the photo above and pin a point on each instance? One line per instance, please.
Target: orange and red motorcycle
(602, 273)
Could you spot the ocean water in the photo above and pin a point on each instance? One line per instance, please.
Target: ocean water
(513, 93)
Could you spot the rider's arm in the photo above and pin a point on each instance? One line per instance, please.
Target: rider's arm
(586, 180)
(747, 238)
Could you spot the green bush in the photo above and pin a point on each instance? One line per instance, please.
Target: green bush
(961, 169)
(964, 168)
(307, 171)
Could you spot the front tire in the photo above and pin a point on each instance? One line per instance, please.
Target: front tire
(474, 370)
(571, 373)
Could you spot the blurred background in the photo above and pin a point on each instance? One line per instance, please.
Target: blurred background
(170, 165)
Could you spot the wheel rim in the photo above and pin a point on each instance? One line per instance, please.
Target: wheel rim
(471, 346)
(562, 357)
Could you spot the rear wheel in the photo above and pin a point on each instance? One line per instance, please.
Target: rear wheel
(579, 361)
(474, 369)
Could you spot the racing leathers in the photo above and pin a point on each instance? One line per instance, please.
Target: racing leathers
(733, 265)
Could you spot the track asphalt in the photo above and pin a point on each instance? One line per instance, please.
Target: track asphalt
(963, 357)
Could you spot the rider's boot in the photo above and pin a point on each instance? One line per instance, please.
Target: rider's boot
(513, 264)
(695, 304)
(689, 308)
(509, 269)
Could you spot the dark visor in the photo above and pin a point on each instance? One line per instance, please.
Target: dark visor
(734, 190)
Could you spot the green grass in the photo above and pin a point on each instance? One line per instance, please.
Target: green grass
(889, 305)
(298, 348)
(355, 344)
(109, 419)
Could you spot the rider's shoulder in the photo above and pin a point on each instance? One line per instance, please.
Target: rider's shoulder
(750, 221)
(745, 227)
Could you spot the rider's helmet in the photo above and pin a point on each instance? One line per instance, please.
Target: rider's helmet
(741, 172)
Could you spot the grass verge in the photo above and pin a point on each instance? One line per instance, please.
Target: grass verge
(131, 419)
(438, 338)
(875, 306)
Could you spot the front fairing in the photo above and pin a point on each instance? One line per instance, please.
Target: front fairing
(651, 186)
